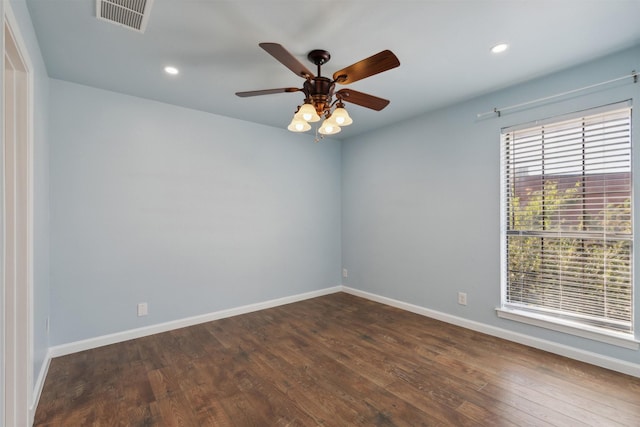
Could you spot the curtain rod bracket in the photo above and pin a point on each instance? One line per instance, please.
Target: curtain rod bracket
(635, 76)
(495, 110)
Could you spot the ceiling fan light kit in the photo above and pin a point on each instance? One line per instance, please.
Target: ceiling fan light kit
(319, 91)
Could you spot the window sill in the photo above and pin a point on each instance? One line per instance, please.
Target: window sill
(613, 338)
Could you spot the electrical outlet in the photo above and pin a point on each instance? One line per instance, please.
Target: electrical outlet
(345, 273)
(462, 298)
(143, 309)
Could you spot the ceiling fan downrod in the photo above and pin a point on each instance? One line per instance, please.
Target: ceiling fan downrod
(319, 57)
(318, 89)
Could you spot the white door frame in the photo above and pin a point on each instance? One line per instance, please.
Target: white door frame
(16, 377)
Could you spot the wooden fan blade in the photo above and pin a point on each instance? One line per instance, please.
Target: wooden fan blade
(266, 92)
(362, 99)
(287, 59)
(370, 66)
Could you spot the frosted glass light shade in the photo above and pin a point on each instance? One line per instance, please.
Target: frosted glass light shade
(329, 127)
(298, 125)
(308, 113)
(341, 117)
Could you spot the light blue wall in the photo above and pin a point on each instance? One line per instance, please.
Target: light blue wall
(40, 185)
(421, 204)
(187, 211)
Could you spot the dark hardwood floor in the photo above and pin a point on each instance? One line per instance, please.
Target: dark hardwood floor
(337, 360)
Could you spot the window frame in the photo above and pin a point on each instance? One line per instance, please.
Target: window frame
(538, 317)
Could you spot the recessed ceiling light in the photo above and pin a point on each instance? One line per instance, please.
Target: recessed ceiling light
(499, 48)
(171, 70)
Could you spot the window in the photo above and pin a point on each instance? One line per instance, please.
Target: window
(567, 230)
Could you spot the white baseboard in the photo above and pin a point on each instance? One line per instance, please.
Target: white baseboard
(74, 347)
(39, 385)
(618, 365)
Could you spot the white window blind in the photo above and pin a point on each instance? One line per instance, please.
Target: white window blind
(567, 219)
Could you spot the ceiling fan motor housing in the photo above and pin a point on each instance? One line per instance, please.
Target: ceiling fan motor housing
(320, 91)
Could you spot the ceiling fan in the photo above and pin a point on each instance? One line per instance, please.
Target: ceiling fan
(319, 90)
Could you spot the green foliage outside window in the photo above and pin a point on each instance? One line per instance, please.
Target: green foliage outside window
(564, 257)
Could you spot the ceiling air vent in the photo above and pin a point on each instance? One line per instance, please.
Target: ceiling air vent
(132, 14)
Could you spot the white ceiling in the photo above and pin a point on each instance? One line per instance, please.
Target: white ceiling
(443, 47)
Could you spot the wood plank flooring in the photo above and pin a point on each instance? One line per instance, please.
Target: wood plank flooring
(337, 360)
